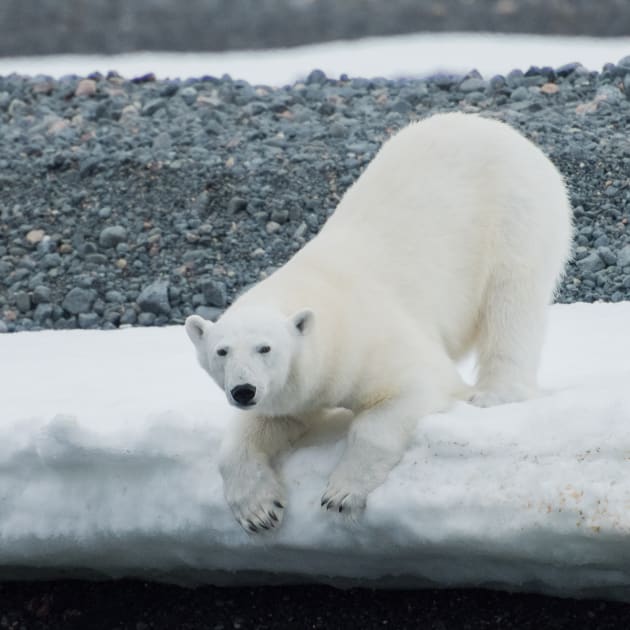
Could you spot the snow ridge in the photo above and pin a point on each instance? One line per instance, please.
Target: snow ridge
(108, 445)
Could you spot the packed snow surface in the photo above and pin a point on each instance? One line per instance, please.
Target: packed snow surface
(415, 55)
(108, 460)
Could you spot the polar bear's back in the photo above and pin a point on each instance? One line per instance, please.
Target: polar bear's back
(443, 203)
(439, 175)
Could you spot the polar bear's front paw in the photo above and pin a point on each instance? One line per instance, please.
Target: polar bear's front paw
(348, 498)
(256, 498)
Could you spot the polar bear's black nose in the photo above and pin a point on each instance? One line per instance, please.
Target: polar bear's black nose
(243, 394)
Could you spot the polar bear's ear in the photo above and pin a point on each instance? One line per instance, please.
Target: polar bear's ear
(196, 326)
(303, 321)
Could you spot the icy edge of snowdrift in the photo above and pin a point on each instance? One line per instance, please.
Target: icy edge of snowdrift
(108, 443)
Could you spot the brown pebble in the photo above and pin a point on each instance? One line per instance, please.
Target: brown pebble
(549, 88)
(586, 108)
(35, 236)
(57, 126)
(86, 87)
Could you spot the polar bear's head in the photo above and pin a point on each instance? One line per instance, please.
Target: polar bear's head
(250, 352)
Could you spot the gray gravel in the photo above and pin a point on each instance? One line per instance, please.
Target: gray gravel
(140, 202)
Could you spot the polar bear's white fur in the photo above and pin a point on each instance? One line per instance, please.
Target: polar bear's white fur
(452, 239)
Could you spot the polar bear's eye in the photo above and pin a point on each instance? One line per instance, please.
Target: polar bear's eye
(264, 349)
(222, 352)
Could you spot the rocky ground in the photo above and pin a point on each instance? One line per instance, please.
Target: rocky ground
(139, 202)
(30, 27)
(131, 605)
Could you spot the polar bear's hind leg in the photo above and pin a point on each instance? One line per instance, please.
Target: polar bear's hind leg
(510, 339)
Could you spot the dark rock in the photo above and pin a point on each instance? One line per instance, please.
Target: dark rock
(624, 63)
(237, 204)
(169, 89)
(146, 319)
(41, 294)
(154, 298)
(23, 301)
(520, 94)
(152, 106)
(189, 95)
(42, 313)
(591, 263)
(473, 84)
(88, 320)
(567, 69)
(607, 255)
(327, 109)
(316, 77)
(96, 259)
(623, 257)
(111, 236)
(115, 297)
(79, 300)
(213, 292)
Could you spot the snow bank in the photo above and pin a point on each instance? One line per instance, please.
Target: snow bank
(108, 444)
(415, 55)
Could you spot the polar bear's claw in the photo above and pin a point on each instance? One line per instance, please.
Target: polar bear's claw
(263, 519)
(348, 503)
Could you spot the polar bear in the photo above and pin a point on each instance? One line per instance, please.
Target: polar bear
(452, 239)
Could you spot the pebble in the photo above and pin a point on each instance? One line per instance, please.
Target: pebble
(189, 95)
(213, 292)
(152, 106)
(17, 108)
(154, 298)
(43, 312)
(591, 263)
(79, 300)
(473, 84)
(316, 76)
(237, 204)
(607, 255)
(111, 236)
(114, 296)
(41, 294)
(146, 319)
(623, 257)
(549, 88)
(86, 87)
(520, 94)
(88, 320)
(23, 301)
(272, 227)
(624, 63)
(35, 236)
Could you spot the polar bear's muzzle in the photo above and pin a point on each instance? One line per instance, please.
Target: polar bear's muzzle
(243, 395)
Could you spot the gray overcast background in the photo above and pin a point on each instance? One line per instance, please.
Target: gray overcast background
(112, 26)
